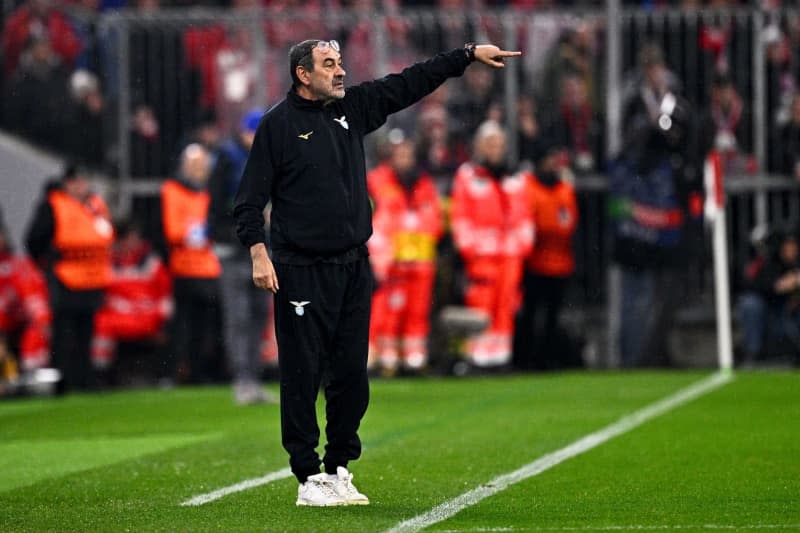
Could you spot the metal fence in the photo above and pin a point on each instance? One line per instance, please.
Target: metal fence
(186, 68)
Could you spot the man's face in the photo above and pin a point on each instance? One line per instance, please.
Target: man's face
(656, 77)
(129, 242)
(403, 158)
(209, 135)
(789, 251)
(492, 148)
(326, 81)
(78, 187)
(196, 166)
(550, 163)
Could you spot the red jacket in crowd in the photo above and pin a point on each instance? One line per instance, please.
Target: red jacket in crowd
(493, 231)
(137, 303)
(23, 23)
(24, 308)
(407, 225)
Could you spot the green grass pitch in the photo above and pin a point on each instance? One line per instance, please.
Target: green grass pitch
(125, 461)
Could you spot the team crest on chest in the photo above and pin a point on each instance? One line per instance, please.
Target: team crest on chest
(299, 307)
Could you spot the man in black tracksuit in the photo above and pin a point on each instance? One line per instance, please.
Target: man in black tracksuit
(308, 158)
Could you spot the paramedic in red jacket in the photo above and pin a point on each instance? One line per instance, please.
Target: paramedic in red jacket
(407, 223)
(550, 264)
(139, 300)
(24, 310)
(493, 232)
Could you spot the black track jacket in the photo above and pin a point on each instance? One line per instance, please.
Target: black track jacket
(308, 158)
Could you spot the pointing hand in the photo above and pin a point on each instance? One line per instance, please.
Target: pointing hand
(493, 56)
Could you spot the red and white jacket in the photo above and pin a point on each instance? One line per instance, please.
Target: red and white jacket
(406, 224)
(23, 293)
(490, 217)
(141, 284)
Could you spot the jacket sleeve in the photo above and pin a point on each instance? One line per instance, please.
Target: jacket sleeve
(254, 189)
(376, 100)
(40, 234)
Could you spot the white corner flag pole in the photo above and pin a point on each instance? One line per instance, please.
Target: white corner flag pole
(715, 215)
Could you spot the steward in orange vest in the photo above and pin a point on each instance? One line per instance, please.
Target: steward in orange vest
(555, 216)
(194, 266)
(71, 236)
(184, 212)
(549, 265)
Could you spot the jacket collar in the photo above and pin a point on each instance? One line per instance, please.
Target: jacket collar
(301, 103)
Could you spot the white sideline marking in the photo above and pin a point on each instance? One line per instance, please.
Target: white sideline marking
(203, 499)
(623, 425)
(624, 528)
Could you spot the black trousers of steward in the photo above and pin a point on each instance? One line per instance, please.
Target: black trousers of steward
(322, 327)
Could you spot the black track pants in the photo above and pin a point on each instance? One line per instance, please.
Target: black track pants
(322, 325)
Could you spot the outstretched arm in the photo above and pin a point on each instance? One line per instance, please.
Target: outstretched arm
(376, 100)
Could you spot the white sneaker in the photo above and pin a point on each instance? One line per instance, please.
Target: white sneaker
(343, 485)
(248, 393)
(319, 491)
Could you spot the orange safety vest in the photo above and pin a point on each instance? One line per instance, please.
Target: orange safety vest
(185, 215)
(83, 237)
(555, 214)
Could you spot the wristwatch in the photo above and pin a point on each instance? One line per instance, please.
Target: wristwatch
(469, 48)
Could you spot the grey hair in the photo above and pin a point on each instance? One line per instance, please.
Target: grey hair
(487, 129)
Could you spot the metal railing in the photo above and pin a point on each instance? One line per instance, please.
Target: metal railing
(179, 62)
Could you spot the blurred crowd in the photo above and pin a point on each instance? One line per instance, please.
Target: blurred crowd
(183, 297)
(464, 214)
(61, 78)
(61, 75)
